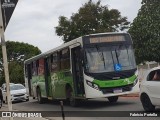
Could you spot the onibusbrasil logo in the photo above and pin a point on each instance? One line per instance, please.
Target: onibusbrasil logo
(7, 1)
(8, 4)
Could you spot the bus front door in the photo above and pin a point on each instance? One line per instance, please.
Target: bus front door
(77, 71)
(47, 76)
(29, 78)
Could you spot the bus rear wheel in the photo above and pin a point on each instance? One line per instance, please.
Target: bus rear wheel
(39, 97)
(113, 99)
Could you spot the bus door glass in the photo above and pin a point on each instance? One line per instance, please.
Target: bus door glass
(47, 74)
(77, 70)
(28, 76)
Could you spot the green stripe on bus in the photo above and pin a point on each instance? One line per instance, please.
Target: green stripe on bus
(115, 83)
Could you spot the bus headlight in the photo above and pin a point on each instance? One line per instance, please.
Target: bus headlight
(93, 85)
(89, 83)
(135, 82)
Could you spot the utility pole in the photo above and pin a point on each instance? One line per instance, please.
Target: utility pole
(6, 10)
(5, 64)
(5, 61)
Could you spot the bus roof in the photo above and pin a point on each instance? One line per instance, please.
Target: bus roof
(77, 40)
(46, 54)
(108, 33)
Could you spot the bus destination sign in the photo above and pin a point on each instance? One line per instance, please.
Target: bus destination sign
(116, 38)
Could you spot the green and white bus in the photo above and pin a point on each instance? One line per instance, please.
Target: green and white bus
(91, 66)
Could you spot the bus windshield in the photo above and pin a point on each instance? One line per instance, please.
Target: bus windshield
(103, 59)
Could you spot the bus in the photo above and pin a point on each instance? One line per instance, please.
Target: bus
(92, 66)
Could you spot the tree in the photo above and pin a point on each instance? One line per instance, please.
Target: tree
(16, 72)
(90, 18)
(145, 31)
(17, 52)
(20, 51)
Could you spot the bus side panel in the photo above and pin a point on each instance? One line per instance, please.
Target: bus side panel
(41, 85)
(34, 81)
(49, 87)
(59, 81)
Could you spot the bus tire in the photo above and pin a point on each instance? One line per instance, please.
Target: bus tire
(39, 97)
(1, 102)
(113, 99)
(72, 101)
(6, 101)
(146, 103)
(1, 98)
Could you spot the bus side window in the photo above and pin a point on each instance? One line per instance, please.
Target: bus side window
(41, 66)
(65, 59)
(54, 62)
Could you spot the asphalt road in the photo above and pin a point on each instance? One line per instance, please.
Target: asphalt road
(101, 104)
(124, 104)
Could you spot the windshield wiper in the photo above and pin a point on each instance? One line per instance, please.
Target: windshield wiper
(117, 56)
(101, 56)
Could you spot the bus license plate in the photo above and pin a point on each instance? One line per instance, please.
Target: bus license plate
(117, 90)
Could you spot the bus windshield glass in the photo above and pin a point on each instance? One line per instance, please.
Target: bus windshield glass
(104, 59)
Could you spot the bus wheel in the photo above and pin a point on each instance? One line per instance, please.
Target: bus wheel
(6, 101)
(113, 99)
(1, 101)
(39, 97)
(72, 101)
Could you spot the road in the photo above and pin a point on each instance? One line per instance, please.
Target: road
(123, 104)
(101, 104)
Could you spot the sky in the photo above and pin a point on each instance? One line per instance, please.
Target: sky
(34, 21)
